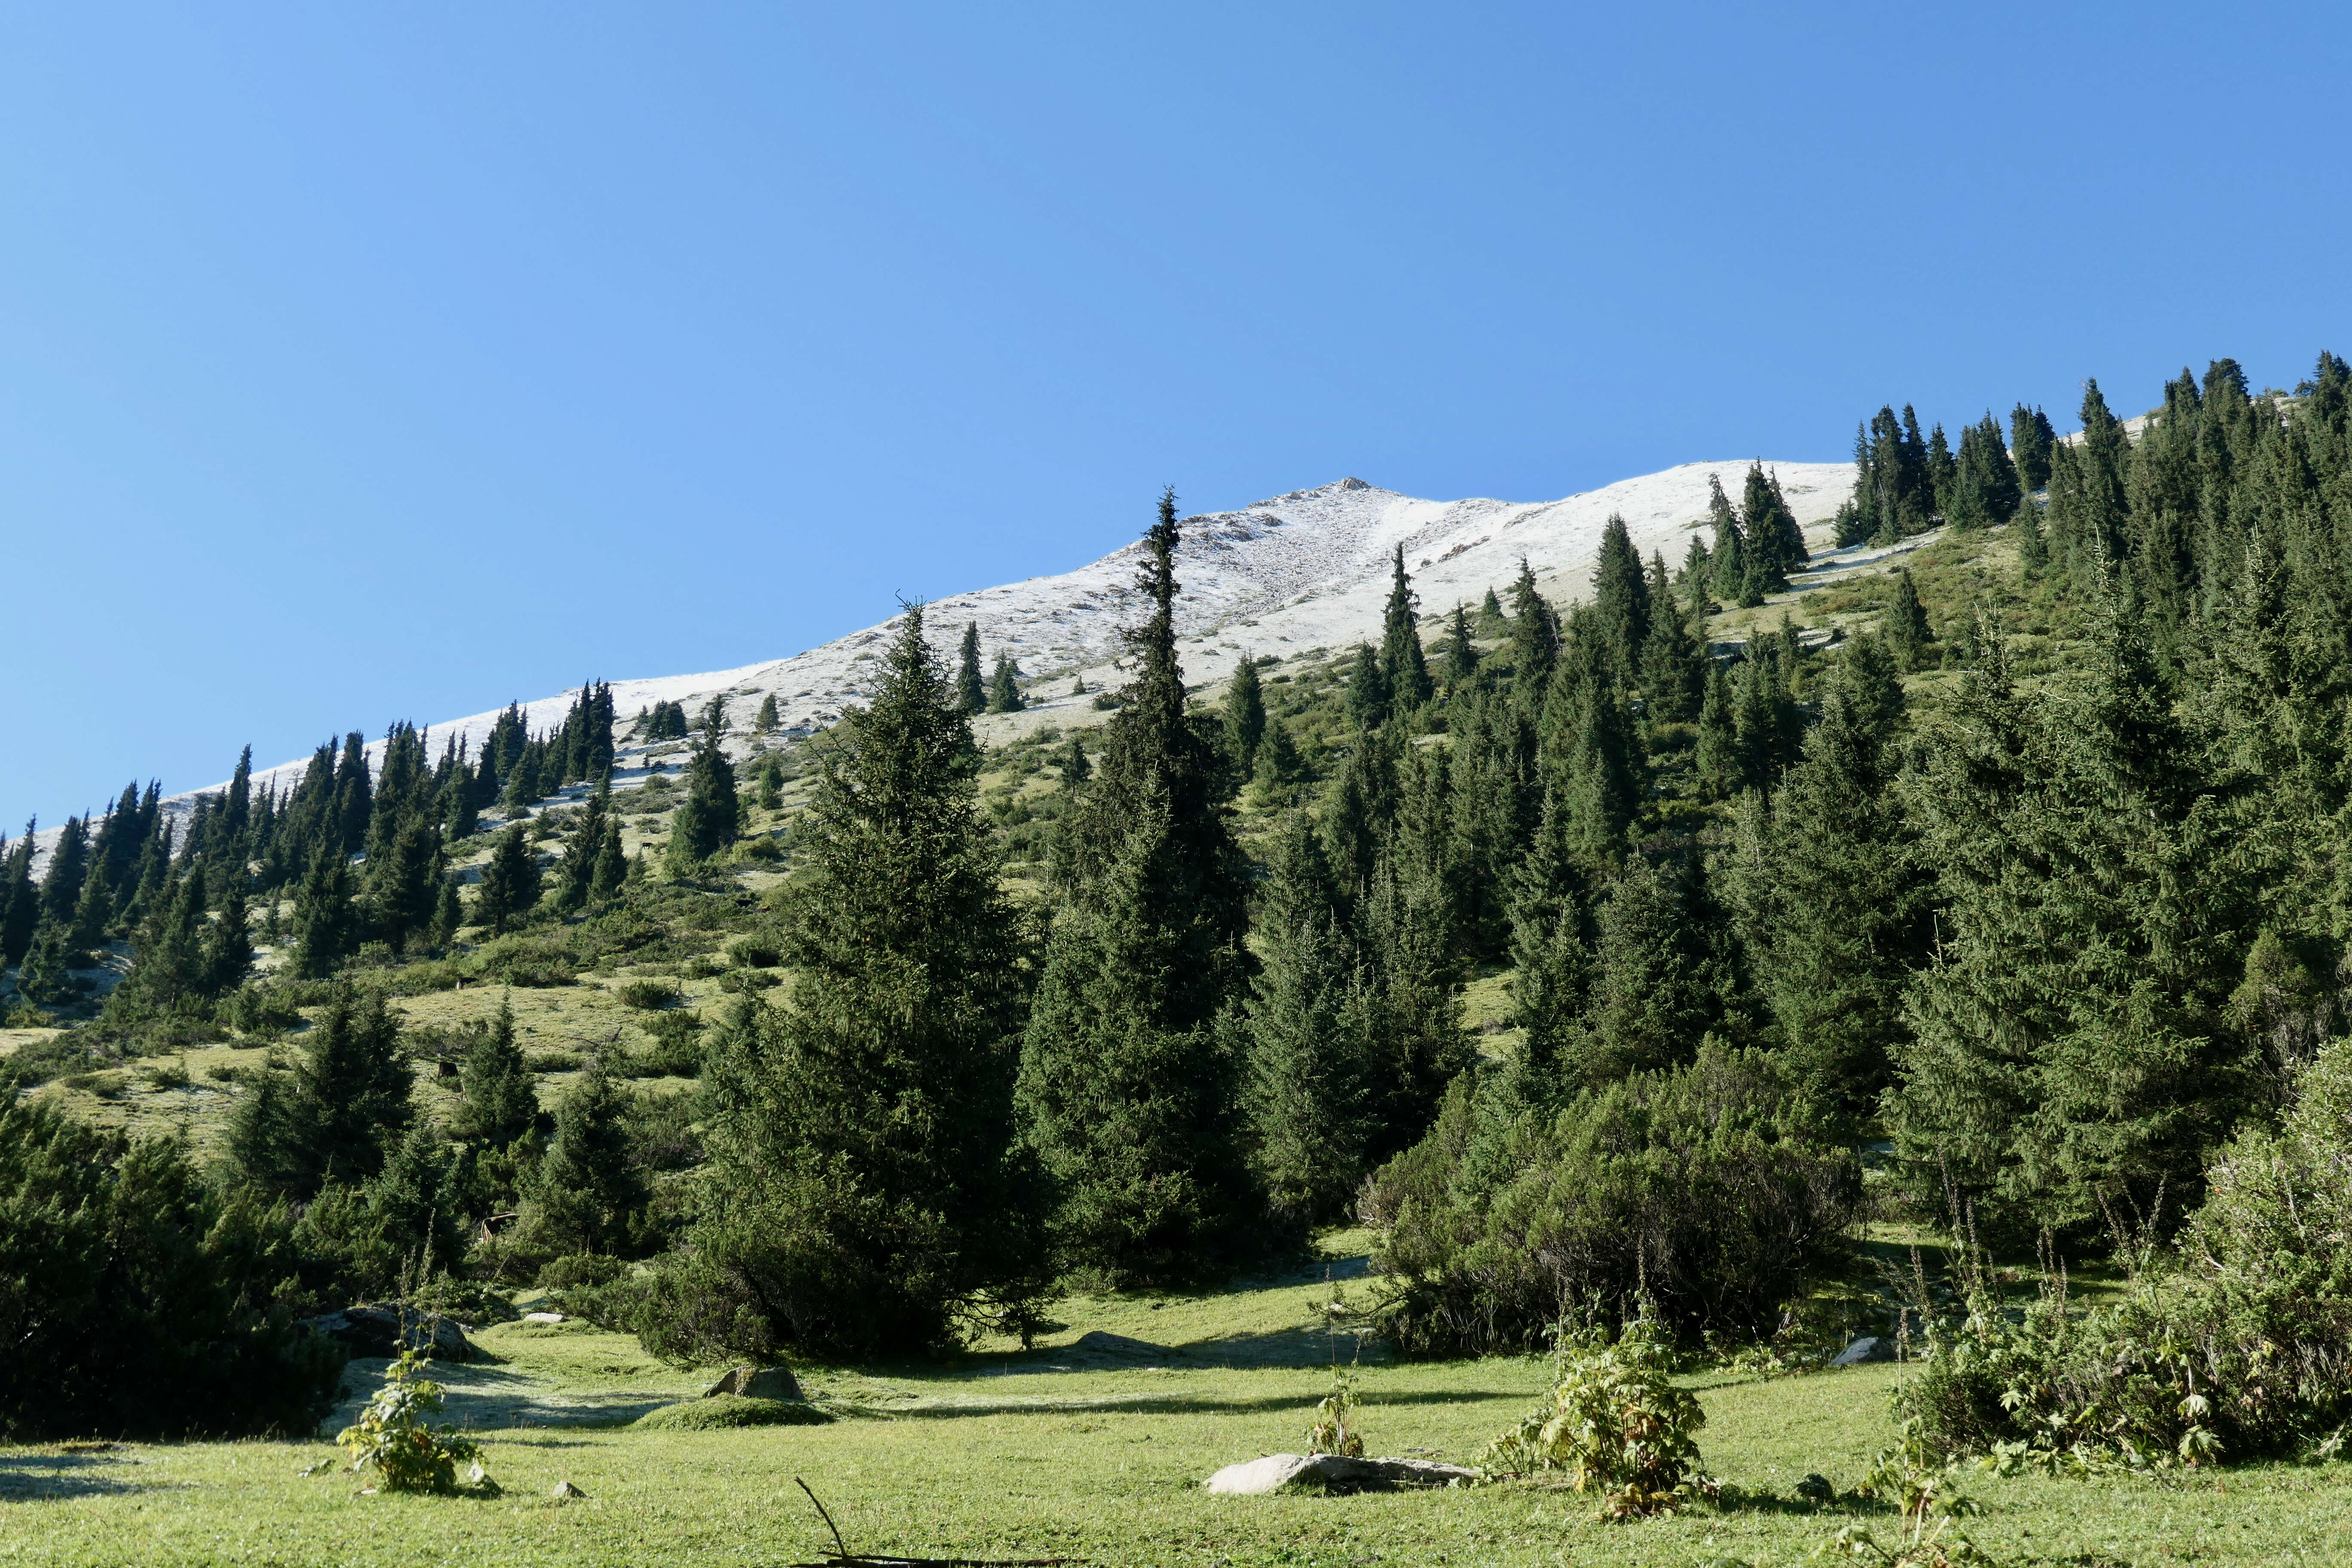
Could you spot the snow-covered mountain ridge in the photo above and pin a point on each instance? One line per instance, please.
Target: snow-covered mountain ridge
(1298, 572)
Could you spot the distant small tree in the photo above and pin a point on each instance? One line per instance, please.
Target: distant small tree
(589, 1190)
(510, 882)
(767, 721)
(971, 694)
(499, 1099)
(1245, 714)
(1906, 629)
(708, 819)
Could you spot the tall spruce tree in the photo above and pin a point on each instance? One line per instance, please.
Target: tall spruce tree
(1368, 691)
(1004, 686)
(497, 1093)
(1534, 634)
(1620, 597)
(342, 1108)
(1311, 1081)
(1244, 715)
(587, 1194)
(971, 693)
(511, 882)
(1130, 1077)
(1905, 627)
(867, 1192)
(1404, 671)
(710, 817)
(1458, 657)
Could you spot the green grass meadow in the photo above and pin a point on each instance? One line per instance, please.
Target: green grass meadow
(1061, 1453)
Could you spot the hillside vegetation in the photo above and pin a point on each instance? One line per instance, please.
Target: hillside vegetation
(1972, 870)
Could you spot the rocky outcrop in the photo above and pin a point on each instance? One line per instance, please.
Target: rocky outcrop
(386, 1328)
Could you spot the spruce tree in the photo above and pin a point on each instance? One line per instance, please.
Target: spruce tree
(1534, 633)
(61, 879)
(1775, 544)
(708, 820)
(1620, 597)
(1674, 668)
(1129, 1082)
(448, 914)
(1244, 715)
(1405, 672)
(498, 1095)
(1665, 975)
(326, 926)
(511, 882)
(1459, 656)
(1004, 686)
(1279, 764)
(868, 1183)
(771, 782)
(1722, 771)
(1905, 627)
(1368, 691)
(2031, 439)
(587, 1193)
(43, 980)
(1551, 958)
(971, 694)
(1311, 1080)
(767, 720)
(1493, 624)
(93, 911)
(575, 874)
(612, 864)
(226, 956)
(345, 1106)
(1835, 907)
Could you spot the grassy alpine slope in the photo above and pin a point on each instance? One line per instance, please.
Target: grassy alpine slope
(1058, 1453)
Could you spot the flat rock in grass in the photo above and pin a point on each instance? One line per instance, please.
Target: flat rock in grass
(1869, 1348)
(1101, 1343)
(1333, 1473)
(544, 1319)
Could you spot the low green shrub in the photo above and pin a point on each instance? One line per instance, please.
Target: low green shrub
(2235, 1345)
(105, 1084)
(755, 952)
(38, 1061)
(720, 1412)
(257, 1009)
(1614, 1422)
(552, 1061)
(1708, 1190)
(647, 995)
(137, 1299)
(580, 1268)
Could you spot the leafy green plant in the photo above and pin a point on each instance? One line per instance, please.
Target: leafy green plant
(1614, 1422)
(395, 1437)
(1334, 1430)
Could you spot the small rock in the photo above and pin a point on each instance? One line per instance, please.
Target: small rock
(775, 1383)
(565, 1490)
(1868, 1348)
(544, 1318)
(1272, 1473)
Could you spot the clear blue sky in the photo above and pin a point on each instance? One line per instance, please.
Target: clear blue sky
(362, 363)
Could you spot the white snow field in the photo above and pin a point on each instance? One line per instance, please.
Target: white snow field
(1296, 573)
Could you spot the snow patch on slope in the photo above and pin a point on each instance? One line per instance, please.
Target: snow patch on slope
(1295, 574)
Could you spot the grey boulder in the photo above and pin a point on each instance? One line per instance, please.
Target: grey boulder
(1332, 1472)
(386, 1328)
(1868, 1348)
(775, 1383)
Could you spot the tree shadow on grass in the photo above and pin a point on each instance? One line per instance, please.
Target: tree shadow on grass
(489, 1398)
(1167, 1405)
(32, 1477)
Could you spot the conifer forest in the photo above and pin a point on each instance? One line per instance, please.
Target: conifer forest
(1935, 931)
